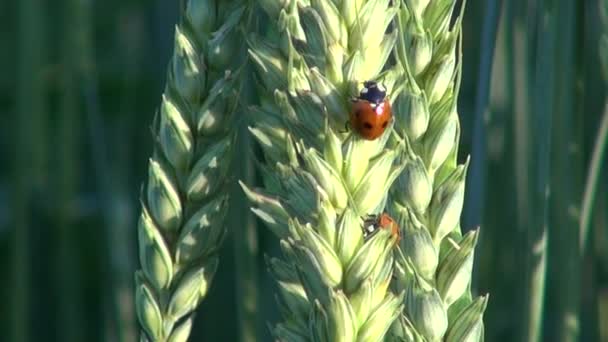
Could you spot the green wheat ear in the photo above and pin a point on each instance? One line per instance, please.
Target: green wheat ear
(184, 203)
(436, 264)
(319, 182)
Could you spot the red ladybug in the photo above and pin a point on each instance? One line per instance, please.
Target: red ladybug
(373, 224)
(371, 111)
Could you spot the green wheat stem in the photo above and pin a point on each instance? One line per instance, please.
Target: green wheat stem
(593, 178)
(110, 182)
(537, 234)
(599, 148)
(476, 178)
(70, 306)
(185, 200)
(245, 246)
(566, 176)
(29, 166)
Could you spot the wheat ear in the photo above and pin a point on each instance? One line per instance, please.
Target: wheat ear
(184, 202)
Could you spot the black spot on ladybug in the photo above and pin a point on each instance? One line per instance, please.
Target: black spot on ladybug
(384, 124)
(367, 125)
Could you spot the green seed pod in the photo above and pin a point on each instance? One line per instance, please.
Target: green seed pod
(331, 97)
(186, 70)
(203, 232)
(313, 279)
(354, 69)
(446, 204)
(224, 44)
(273, 7)
(337, 32)
(357, 155)
(381, 319)
(294, 299)
(310, 113)
(326, 223)
(403, 330)
(403, 273)
(163, 200)
(272, 144)
(314, 50)
(426, 310)
(349, 236)
(411, 114)
(319, 323)
(342, 325)
(361, 301)
(334, 60)
(363, 263)
(269, 209)
(350, 11)
(297, 79)
(174, 135)
(419, 247)
(192, 287)
(201, 15)
(324, 256)
(375, 18)
(270, 65)
(455, 269)
(305, 194)
(281, 270)
(419, 49)
(417, 6)
(181, 332)
(379, 178)
(437, 17)
(287, 332)
(332, 150)
(327, 177)
(375, 57)
(415, 187)
(148, 311)
(440, 140)
(209, 172)
(381, 276)
(440, 77)
(218, 107)
(154, 255)
(468, 327)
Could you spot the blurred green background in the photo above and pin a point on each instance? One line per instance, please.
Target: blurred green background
(80, 83)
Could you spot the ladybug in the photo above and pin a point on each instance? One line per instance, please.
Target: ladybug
(372, 224)
(371, 111)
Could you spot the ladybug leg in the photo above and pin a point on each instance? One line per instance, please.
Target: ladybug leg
(346, 127)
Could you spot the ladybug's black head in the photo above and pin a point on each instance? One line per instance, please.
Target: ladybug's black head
(372, 92)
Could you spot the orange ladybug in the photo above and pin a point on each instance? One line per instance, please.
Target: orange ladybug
(372, 224)
(371, 111)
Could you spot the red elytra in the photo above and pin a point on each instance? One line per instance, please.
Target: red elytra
(382, 221)
(371, 112)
